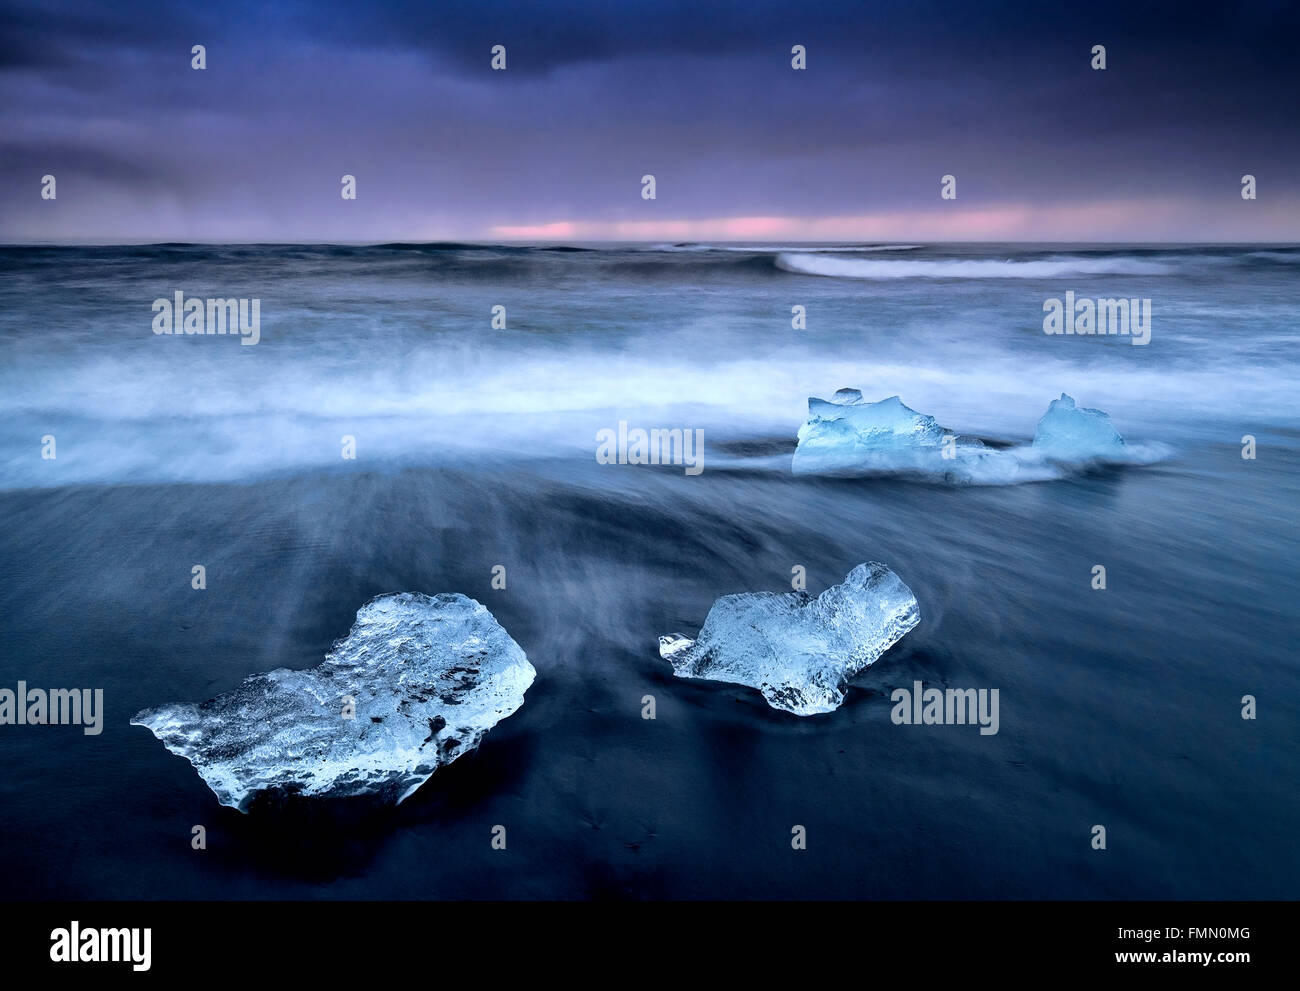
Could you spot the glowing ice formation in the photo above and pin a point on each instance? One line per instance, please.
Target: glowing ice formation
(423, 677)
(1072, 431)
(797, 650)
(847, 436)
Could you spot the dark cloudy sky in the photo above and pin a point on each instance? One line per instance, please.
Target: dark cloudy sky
(699, 93)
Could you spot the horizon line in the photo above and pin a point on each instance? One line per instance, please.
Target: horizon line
(769, 242)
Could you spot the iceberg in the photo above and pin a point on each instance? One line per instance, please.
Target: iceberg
(415, 684)
(1075, 432)
(848, 437)
(799, 651)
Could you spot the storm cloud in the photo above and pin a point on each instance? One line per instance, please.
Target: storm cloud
(597, 94)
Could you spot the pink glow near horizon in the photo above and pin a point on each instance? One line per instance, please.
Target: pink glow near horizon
(1119, 220)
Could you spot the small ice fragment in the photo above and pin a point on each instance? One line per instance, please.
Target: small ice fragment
(799, 651)
(1073, 432)
(856, 438)
(415, 684)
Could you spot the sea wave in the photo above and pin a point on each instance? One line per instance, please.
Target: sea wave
(769, 249)
(803, 263)
(1286, 257)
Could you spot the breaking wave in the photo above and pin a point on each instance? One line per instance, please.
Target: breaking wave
(978, 268)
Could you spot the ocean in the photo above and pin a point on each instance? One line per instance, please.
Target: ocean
(470, 382)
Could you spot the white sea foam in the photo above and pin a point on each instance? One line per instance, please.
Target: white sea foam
(409, 368)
